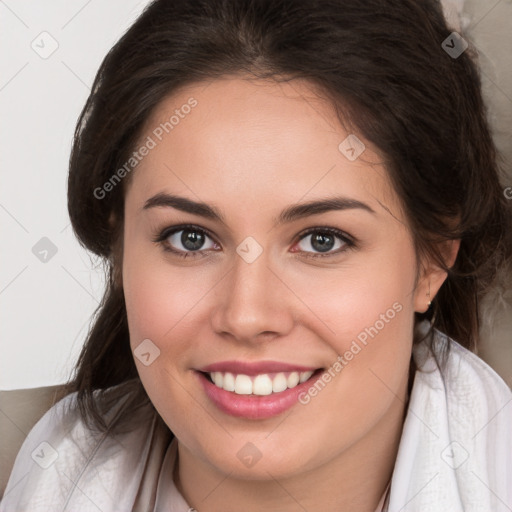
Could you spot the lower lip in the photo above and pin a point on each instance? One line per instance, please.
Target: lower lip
(254, 407)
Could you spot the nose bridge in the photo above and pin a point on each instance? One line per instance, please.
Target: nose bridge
(253, 301)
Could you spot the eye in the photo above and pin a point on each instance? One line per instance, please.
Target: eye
(323, 241)
(189, 241)
(186, 241)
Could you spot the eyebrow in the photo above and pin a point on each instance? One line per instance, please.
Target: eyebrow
(289, 214)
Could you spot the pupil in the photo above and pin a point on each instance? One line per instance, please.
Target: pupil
(323, 242)
(192, 240)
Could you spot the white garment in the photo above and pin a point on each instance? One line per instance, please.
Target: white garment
(455, 453)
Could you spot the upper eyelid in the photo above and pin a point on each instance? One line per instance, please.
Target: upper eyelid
(334, 231)
(171, 230)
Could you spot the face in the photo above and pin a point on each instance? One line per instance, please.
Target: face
(232, 278)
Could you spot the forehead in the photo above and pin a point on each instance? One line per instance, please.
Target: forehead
(243, 140)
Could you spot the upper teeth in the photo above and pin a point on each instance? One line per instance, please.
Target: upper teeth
(263, 384)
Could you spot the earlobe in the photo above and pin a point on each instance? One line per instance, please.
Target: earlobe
(433, 278)
(427, 289)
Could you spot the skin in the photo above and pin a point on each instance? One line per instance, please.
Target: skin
(251, 149)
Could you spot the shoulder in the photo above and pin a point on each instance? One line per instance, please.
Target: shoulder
(463, 373)
(456, 435)
(64, 463)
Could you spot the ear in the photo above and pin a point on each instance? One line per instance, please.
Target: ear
(116, 256)
(433, 276)
(112, 219)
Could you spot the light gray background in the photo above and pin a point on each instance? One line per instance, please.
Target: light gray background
(45, 307)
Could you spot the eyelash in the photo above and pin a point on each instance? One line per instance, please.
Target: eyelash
(162, 236)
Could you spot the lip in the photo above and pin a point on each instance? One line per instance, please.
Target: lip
(254, 368)
(255, 407)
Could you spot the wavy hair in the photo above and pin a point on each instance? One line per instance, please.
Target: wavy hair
(380, 63)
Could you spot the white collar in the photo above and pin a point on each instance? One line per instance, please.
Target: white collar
(455, 453)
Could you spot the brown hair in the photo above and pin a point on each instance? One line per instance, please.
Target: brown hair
(382, 65)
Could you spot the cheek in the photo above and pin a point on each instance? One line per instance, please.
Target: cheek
(160, 302)
(158, 296)
(371, 291)
(165, 304)
(368, 307)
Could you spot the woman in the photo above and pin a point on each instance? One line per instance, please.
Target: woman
(300, 208)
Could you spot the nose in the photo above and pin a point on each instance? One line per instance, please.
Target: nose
(253, 304)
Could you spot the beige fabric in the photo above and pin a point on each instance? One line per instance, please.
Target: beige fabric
(20, 409)
(161, 438)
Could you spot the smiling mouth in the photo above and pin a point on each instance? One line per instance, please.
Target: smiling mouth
(259, 385)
